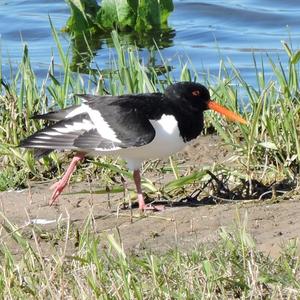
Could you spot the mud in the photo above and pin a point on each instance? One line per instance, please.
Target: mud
(271, 223)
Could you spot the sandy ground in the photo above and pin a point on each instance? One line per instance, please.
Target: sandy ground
(271, 224)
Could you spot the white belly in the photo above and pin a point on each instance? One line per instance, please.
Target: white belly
(167, 141)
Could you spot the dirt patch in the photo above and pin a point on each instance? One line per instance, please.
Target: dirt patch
(184, 226)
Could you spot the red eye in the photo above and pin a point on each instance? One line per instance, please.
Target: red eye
(196, 93)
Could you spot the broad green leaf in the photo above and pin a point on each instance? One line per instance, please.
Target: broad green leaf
(207, 267)
(83, 13)
(78, 5)
(119, 14)
(124, 15)
(148, 16)
(166, 7)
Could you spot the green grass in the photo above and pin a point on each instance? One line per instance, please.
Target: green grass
(264, 140)
(87, 265)
(267, 149)
(10, 177)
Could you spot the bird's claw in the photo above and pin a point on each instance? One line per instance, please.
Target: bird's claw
(58, 187)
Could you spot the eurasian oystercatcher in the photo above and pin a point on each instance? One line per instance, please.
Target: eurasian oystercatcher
(135, 127)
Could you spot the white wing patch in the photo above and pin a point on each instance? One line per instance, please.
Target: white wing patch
(76, 126)
(77, 111)
(101, 125)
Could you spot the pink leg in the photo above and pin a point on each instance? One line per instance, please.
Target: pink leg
(142, 205)
(61, 184)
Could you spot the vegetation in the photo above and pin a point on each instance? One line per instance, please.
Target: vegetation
(121, 15)
(267, 150)
(140, 23)
(99, 268)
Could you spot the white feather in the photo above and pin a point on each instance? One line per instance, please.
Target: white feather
(53, 133)
(101, 125)
(77, 111)
(76, 126)
(167, 141)
(45, 137)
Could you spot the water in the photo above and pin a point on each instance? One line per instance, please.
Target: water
(204, 31)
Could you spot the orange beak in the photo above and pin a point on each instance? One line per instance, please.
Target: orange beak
(225, 112)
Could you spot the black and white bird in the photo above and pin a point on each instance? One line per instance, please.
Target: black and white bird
(135, 127)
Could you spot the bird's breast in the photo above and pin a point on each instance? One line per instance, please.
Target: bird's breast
(167, 140)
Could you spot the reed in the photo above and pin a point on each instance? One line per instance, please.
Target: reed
(267, 149)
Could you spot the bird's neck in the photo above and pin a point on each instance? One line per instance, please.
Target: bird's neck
(189, 127)
(189, 120)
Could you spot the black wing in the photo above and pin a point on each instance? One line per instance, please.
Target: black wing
(126, 116)
(77, 133)
(57, 115)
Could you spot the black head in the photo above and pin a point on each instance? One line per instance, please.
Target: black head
(193, 94)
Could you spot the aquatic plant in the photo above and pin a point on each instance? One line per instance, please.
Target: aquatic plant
(121, 15)
(139, 23)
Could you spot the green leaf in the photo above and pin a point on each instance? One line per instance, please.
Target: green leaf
(78, 5)
(142, 15)
(166, 7)
(287, 48)
(83, 16)
(207, 268)
(124, 15)
(119, 14)
(114, 168)
(149, 185)
(182, 181)
(295, 57)
(148, 16)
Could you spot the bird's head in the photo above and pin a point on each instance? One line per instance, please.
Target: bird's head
(197, 97)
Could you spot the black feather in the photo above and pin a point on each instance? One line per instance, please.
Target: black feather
(40, 153)
(55, 115)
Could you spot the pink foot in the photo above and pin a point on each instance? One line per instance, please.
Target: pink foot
(60, 185)
(142, 205)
